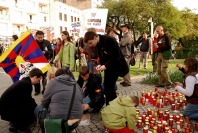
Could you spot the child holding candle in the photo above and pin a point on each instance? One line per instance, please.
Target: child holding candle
(119, 115)
(190, 87)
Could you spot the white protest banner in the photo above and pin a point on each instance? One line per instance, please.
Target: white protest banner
(94, 18)
(75, 27)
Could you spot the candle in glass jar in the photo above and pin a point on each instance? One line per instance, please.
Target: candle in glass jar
(181, 123)
(173, 107)
(187, 130)
(173, 130)
(143, 118)
(178, 125)
(139, 124)
(196, 126)
(187, 119)
(170, 122)
(159, 128)
(145, 129)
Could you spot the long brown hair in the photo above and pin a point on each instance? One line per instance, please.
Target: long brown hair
(192, 65)
(66, 33)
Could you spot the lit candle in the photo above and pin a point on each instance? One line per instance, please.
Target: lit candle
(145, 129)
(196, 126)
(187, 119)
(139, 124)
(173, 107)
(187, 130)
(173, 130)
(178, 125)
(170, 122)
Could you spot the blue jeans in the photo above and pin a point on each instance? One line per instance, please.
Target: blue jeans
(191, 111)
(86, 100)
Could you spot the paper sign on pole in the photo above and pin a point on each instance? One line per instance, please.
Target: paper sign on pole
(94, 18)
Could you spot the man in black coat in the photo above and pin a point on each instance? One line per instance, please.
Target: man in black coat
(16, 103)
(110, 58)
(46, 48)
(90, 84)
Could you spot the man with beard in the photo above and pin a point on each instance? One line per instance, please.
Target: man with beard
(46, 48)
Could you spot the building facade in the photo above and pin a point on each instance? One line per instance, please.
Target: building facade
(51, 16)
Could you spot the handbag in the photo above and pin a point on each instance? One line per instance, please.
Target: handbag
(132, 61)
(59, 125)
(123, 68)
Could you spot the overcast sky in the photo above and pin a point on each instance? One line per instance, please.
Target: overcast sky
(191, 4)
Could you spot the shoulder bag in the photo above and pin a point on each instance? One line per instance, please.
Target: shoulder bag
(59, 125)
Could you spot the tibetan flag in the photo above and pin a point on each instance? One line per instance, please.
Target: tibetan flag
(25, 49)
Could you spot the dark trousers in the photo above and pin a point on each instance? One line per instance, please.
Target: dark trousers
(37, 87)
(110, 78)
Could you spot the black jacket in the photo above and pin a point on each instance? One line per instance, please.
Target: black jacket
(93, 89)
(46, 46)
(16, 103)
(109, 52)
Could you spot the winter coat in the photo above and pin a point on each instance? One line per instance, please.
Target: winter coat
(16, 103)
(57, 98)
(119, 113)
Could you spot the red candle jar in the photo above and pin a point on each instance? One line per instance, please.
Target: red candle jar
(189, 126)
(187, 130)
(196, 126)
(173, 107)
(173, 130)
(159, 128)
(187, 120)
(181, 123)
(152, 124)
(145, 129)
(149, 112)
(174, 117)
(160, 114)
(181, 116)
(177, 117)
(150, 118)
(166, 129)
(177, 106)
(143, 118)
(170, 122)
(139, 124)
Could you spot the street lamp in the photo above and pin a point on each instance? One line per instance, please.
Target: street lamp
(150, 21)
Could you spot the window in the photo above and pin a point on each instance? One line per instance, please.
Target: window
(18, 27)
(65, 17)
(61, 29)
(72, 19)
(78, 19)
(45, 19)
(65, 28)
(30, 18)
(60, 16)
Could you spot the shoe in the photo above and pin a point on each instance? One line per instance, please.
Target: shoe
(160, 85)
(126, 84)
(36, 93)
(122, 82)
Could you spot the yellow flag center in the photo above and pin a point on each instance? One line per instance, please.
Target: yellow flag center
(19, 59)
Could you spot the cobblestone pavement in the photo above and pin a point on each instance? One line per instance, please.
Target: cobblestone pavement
(96, 125)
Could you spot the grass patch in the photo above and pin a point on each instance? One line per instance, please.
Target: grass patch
(175, 75)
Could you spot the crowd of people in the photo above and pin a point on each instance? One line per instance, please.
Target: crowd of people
(66, 98)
